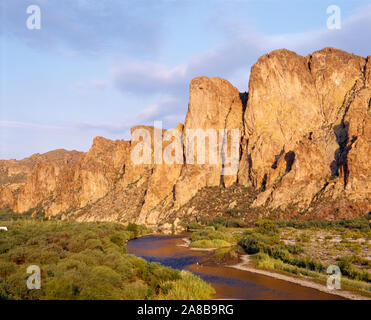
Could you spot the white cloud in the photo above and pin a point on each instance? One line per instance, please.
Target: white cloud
(144, 77)
(353, 36)
(233, 59)
(168, 110)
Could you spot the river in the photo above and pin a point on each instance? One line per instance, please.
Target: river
(229, 283)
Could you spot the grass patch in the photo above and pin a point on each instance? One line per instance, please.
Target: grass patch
(265, 262)
(216, 243)
(188, 287)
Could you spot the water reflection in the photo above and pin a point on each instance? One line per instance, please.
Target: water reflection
(229, 283)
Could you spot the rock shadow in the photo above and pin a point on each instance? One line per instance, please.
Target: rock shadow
(289, 158)
(339, 167)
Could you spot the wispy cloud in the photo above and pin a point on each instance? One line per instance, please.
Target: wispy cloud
(167, 110)
(145, 77)
(88, 27)
(350, 37)
(233, 58)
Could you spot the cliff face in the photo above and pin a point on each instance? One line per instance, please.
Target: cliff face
(24, 183)
(307, 128)
(303, 149)
(213, 104)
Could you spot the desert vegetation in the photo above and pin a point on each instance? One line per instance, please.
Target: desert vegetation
(85, 261)
(294, 247)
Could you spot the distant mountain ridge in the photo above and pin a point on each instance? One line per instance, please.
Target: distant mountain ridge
(305, 152)
(13, 169)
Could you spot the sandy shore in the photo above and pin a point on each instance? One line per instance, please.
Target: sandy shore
(186, 243)
(244, 265)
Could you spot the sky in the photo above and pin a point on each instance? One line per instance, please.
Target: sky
(97, 68)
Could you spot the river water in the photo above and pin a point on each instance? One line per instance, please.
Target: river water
(228, 282)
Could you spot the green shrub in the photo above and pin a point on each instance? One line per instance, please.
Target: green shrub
(80, 261)
(62, 288)
(188, 287)
(6, 269)
(348, 269)
(193, 226)
(308, 263)
(256, 242)
(210, 233)
(155, 274)
(361, 223)
(226, 222)
(216, 243)
(294, 248)
(265, 226)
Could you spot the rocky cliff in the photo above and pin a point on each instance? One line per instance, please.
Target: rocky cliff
(304, 150)
(25, 183)
(307, 121)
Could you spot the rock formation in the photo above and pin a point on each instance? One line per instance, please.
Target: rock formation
(213, 104)
(304, 150)
(305, 119)
(24, 183)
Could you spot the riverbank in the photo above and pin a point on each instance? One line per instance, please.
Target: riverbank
(245, 265)
(229, 283)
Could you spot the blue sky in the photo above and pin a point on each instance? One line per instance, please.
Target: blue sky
(99, 67)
